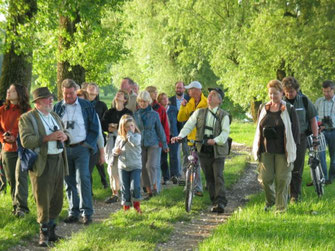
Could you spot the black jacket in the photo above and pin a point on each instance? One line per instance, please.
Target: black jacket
(173, 101)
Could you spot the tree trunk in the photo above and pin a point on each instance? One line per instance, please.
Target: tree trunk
(17, 65)
(64, 68)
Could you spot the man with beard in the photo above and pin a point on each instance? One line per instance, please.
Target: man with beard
(48, 172)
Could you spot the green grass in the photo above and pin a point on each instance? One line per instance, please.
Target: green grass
(308, 225)
(130, 231)
(243, 132)
(13, 230)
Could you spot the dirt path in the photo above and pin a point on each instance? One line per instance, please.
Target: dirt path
(186, 235)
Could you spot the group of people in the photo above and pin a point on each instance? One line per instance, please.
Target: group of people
(141, 138)
(280, 142)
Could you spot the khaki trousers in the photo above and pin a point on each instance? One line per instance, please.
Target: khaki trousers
(48, 189)
(17, 180)
(276, 177)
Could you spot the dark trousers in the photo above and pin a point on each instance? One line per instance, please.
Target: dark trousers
(48, 189)
(299, 163)
(17, 179)
(94, 158)
(174, 160)
(213, 170)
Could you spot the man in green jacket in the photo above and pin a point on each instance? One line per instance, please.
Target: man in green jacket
(42, 131)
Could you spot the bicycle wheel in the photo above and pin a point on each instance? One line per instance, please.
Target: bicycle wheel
(189, 189)
(317, 180)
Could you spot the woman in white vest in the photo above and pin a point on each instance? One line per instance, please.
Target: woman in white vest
(277, 134)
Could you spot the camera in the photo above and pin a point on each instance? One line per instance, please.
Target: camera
(59, 143)
(327, 122)
(7, 134)
(70, 124)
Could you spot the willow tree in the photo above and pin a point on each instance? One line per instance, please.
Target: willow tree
(17, 61)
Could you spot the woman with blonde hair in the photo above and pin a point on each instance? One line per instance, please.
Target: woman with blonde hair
(152, 133)
(128, 149)
(274, 146)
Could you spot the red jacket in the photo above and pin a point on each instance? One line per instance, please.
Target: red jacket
(9, 120)
(163, 117)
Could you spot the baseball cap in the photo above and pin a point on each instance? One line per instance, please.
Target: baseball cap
(218, 90)
(194, 84)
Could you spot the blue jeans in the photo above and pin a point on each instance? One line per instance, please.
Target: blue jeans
(131, 181)
(80, 201)
(330, 139)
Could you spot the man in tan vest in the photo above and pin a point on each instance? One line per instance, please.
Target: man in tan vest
(212, 126)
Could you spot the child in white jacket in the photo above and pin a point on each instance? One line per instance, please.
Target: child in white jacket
(128, 149)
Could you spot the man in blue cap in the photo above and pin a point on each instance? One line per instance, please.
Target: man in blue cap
(212, 126)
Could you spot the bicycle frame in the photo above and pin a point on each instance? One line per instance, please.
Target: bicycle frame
(315, 164)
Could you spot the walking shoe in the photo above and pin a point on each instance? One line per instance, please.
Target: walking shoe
(217, 209)
(87, 220)
(44, 236)
(137, 206)
(199, 193)
(154, 192)
(148, 197)
(112, 199)
(174, 180)
(52, 235)
(125, 208)
(328, 182)
(20, 214)
(71, 219)
(309, 184)
(181, 182)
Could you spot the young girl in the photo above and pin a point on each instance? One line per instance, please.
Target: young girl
(128, 149)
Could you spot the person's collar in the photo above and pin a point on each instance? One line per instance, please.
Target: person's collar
(75, 102)
(41, 113)
(180, 97)
(214, 110)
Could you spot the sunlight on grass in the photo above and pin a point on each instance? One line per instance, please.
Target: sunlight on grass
(243, 132)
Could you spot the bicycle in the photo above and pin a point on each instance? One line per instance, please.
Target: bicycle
(314, 162)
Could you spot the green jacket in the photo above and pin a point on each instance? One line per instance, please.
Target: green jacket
(30, 140)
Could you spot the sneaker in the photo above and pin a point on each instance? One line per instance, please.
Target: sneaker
(148, 197)
(71, 219)
(112, 199)
(44, 236)
(52, 234)
(87, 220)
(166, 182)
(217, 209)
(174, 180)
(20, 214)
(181, 182)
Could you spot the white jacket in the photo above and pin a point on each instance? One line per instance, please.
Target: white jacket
(290, 146)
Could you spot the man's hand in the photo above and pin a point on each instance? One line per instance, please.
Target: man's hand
(9, 139)
(184, 102)
(55, 136)
(102, 158)
(166, 150)
(211, 142)
(117, 151)
(175, 139)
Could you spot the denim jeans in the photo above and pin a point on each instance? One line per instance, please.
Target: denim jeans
(80, 200)
(131, 186)
(330, 140)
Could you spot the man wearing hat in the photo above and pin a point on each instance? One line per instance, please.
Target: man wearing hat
(197, 101)
(42, 131)
(212, 125)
